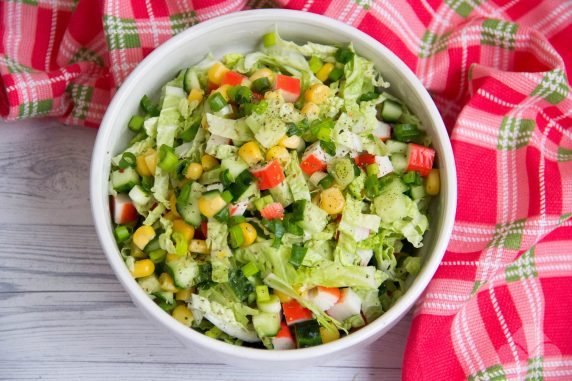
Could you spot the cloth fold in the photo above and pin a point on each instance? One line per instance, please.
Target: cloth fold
(499, 305)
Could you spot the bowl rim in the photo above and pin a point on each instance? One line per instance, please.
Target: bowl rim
(141, 299)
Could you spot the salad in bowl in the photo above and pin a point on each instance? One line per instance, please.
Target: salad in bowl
(274, 199)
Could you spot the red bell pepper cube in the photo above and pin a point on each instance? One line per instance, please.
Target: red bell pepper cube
(233, 78)
(364, 160)
(420, 158)
(269, 175)
(294, 312)
(288, 86)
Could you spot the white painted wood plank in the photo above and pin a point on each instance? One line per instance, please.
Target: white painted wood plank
(88, 371)
(44, 167)
(106, 327)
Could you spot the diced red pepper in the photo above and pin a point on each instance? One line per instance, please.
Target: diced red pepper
(420, 158)
(269, 175)
(123, 209)
(295, 313)
(204, 229)
(364, 160)
(273, 211)
(233, 78)
(288, 86)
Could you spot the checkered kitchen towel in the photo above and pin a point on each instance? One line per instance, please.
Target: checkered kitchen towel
(500, 305)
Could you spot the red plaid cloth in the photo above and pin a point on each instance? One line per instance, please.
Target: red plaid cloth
(500, 305)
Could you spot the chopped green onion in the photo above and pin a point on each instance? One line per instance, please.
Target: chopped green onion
(182, 169)
(260, 107)
(291, 226)
(315, 64)
(167, 159)
(344, 55)
(412, 178)
(261, 85)
(227, 196)
(136, 123)
(372, 169)
(121, 233)
(262, 293)
(190, 133)
(157, 256)
(323, 129)
(357, 171)
(243, 95)
(217, 102)
(235, 220)
(236, 236)
(406, 133)
(329, 147)
(326, 182)
(336, 74)
(147, 182)
(298, 210)
(260, 203)
(141, 135)
(181, 244)
(226, 178)
(250, 269)
(127, 160)
(269, 39)
(297, 255)
(372, 186)
(184, 194)
(366, 97)
(223, 215)
(149, 107)
(214, 333)
(240, 285)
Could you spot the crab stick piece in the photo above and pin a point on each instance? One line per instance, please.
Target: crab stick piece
(314, 159)
(348, 305)
(294, 312)
(384, 165)
(238, 209)
(123, 209)
(283, 339)
(420, 158)
(269, 175)
(324, 297)
(288, 86)
(382, 131)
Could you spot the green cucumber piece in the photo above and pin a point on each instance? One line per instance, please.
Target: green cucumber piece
(122, 180)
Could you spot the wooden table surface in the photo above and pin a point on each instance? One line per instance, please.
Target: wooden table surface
(64, 315)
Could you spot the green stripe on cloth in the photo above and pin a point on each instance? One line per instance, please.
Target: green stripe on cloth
(508, 235)
(499, 33)
(121, 33)
(553, 87)
(515, 133)
(523, 268)
(535, 369)
(493, 373)
(463, 7)
(34, 108)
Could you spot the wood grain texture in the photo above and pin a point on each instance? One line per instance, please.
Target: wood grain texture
(64, 315)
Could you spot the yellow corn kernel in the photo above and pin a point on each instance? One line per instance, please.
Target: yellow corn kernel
(262, 73)
(217, 72)
(432, 186)
(329, 335)
(173, 205)
(194, 171)
(280, 153)
(142, 268)
(211, 205)
(223, 90)
(171, 215)
(143, 235)
(311, 110)
(248, 233)
(250, 153)
(151, 160)
(317, 93)
(141, 167)
(183, 315)
(283, 297)
(332, 200)
(184, 294)
(325, 71)
(292, 142)
(209, 162)
(196, 95)
(180, 226)
(198, 246)
(166, 282)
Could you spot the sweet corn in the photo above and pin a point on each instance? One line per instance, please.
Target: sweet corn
(199, 246)
(261, 73)
(196, 95)
(142, 268)
(311, 110)
(248, 233)
(280, 153)
(183, 315)
(194, 171)
(332, 200)
(151, 159)
(329, 335)
(433, 183)
(223, 90)
(183, 294)
(141, 166)
(180, 226)
(211, 205)
(173, 205)
(250, 153)
(292, 142)
(283, 297)
(209, 162)
(143, 235)
(317, 93)
(217, 72)
(171, 215)
(166, 282)
(325, 71)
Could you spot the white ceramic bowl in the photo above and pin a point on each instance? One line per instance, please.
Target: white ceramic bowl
(241, 32)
